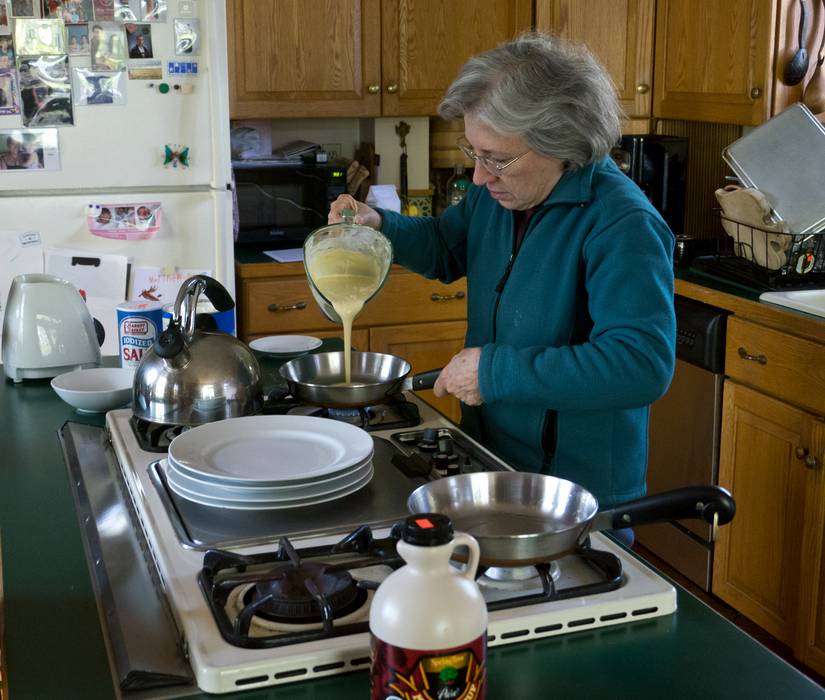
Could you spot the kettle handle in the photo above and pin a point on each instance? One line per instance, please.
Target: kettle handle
(187, 300)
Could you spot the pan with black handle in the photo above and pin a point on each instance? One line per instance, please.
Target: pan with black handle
(376, 377)
(520, 518)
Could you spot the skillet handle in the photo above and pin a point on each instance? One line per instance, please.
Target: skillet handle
(462, 538)
(425, 380)
(689, 503)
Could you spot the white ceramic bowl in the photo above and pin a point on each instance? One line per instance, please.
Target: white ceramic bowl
(95, 390)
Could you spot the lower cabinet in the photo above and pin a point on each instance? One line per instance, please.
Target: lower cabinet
(425, 347)
(768, 563)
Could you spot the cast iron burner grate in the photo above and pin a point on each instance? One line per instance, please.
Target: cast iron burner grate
(154, 437)
(395, 413)
(224, 571)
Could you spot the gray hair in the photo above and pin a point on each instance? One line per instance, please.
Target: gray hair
(550, 92)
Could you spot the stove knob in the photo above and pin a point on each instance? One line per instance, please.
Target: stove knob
(445, 444)
(429, 440)
(467, 466)
(441, 463)
(453, 469)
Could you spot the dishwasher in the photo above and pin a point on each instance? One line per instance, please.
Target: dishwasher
(684, 432)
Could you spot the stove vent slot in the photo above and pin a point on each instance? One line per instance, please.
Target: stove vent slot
(644, 611)
(362, 661)
(516, 633)
(582, 623)
(613, 616)
(290, 674)
(251, 680)
(328, 667)
(548, 628)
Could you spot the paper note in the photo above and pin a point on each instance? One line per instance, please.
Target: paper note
(288, 255)
(160, 284)
(21, 252)
(100, 279)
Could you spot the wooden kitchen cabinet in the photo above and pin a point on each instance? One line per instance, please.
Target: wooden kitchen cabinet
(768, 562)
(723, 62)
(357, 58)
(421, 320)
(620, 34)
(425, 346)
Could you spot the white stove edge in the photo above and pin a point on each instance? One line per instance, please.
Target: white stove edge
(220, 667)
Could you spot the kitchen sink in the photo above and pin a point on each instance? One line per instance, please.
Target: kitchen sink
(811, 301)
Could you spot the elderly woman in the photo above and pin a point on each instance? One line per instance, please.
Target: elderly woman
(571, 328)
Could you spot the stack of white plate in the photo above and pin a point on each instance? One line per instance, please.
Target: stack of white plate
(269, 462)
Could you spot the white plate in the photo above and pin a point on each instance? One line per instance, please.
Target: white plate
(275, 505)
(282, 345)
(97, 389)
(291, 492)
(269, 450)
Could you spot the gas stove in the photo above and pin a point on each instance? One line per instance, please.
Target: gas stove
(221, 589)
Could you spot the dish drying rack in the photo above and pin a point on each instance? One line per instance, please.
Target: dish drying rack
(766, 260)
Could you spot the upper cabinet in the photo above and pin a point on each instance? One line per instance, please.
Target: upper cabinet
(619, 33)
(713, 60)
(357, 58)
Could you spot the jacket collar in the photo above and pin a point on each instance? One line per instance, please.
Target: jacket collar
(575, 186)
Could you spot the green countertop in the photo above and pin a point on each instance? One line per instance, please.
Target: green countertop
(55, 650)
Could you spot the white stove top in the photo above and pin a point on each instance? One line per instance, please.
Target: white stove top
(220, 667)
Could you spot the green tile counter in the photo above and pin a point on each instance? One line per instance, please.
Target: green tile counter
(55, 651)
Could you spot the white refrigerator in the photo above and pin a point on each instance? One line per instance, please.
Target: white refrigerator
(120, 153)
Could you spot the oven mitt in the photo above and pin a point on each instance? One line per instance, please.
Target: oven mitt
(747, 218)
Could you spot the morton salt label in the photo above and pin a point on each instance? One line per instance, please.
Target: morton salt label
(138, 326)
(443, 674)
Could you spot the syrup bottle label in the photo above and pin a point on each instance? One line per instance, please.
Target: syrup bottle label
(442, 674)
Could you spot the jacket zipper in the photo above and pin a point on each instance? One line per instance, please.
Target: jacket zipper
(549, 430)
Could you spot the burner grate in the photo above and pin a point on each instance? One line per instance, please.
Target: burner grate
(154, 437)
(223, 572)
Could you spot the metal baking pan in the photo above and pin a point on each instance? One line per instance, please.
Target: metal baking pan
(784, 158)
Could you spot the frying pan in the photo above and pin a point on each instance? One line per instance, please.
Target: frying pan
(318, 379)
(521, 518)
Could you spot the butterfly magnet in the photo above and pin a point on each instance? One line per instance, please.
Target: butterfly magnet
(175, 155)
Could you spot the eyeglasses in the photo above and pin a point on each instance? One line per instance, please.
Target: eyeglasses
(491, 165)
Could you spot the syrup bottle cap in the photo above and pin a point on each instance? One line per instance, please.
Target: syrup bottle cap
(427, 530)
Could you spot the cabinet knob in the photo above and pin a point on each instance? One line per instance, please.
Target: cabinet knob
(756, 93)
(745, 355)
(373, 89)
(642, 88)
(392, 88)
(810, 461)
(287, 307)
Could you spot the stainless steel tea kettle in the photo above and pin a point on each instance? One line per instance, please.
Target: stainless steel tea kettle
(189, 376)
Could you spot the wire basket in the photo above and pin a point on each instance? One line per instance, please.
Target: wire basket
(765, 259)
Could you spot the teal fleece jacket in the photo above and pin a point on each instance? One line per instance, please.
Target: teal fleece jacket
(577, 330)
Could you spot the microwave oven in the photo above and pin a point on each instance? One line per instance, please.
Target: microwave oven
(658, 165)
(280, 203)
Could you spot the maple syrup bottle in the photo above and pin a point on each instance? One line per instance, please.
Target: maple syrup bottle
(428, 620)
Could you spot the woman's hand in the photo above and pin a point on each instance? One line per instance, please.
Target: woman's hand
(363, 214)
(460, 378)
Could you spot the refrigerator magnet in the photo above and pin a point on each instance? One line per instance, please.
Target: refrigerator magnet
(124, 221)
(153, 10)
(9, 103)
(24, 8)
(29, 149)
(45, 91)
(6, 51)
(98, 87)
(38, 37)
(187, 36)
(175, 155)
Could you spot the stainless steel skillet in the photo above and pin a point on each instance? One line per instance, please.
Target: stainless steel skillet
(521, 518)
(318, 379)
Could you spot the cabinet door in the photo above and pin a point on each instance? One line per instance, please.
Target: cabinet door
(304, 58)
(811, 639)
(425, 43)
(757, 557)
(713, 60)
(424, 346)
(619, 33)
